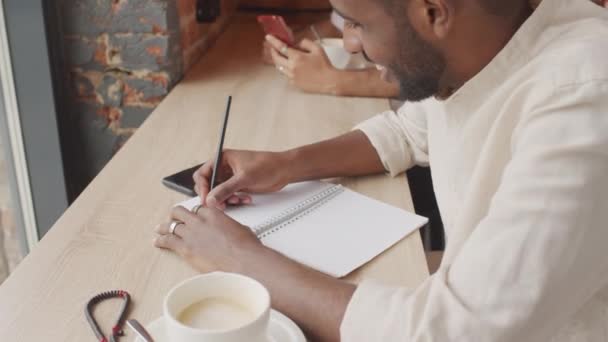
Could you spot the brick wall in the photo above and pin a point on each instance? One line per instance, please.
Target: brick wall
(122, 57)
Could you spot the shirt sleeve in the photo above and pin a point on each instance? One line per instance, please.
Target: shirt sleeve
(400, 139)
(534, 260)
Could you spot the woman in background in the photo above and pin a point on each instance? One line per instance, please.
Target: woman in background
(310, 70)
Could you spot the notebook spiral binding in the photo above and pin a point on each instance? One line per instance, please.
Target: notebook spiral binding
(285, 218)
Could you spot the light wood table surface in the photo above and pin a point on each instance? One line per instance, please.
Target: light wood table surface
(104, 240)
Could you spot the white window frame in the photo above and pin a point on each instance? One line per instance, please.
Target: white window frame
(15, 150)
(29, 125)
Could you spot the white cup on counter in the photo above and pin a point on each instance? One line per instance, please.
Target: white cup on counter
(217, 307)
(339, 57)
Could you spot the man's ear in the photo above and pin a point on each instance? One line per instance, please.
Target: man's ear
(432, 19)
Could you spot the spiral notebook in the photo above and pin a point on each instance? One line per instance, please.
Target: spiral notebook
(324, 226)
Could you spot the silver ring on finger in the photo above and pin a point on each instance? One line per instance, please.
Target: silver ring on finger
(196, 208)
(284, 50)
(173, 226)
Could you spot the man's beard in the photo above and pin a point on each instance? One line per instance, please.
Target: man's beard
(419, 66)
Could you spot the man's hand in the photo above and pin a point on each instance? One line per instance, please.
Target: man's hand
(308, 68)
(208, 240)
(262, 172)
(241, 171)
(211, 241)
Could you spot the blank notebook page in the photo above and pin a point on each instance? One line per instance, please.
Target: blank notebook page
(336, 237)
(264, 206)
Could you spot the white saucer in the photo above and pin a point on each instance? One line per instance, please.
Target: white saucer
(280, 329)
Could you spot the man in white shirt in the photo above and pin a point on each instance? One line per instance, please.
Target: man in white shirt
(512, 114)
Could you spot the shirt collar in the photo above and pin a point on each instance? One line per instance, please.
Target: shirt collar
(513, 56)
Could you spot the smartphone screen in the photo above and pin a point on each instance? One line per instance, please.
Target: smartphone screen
(276, 26)
(182, 181)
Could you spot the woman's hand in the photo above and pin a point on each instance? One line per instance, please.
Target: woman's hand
(325, 28)
(308, 68)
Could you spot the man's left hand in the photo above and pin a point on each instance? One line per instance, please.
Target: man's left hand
(208, 240)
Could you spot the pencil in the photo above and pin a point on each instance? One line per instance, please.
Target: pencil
(220, 147)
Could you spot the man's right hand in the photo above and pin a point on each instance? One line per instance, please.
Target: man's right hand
(241, 171)
(350, 154)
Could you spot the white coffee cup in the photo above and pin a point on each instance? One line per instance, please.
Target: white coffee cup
(222, 292)
(339, 57)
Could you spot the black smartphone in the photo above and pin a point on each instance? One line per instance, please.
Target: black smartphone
(182, 181)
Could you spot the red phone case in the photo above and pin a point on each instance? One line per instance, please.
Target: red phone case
(276, 26)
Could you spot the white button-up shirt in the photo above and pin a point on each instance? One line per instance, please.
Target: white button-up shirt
(519, 158)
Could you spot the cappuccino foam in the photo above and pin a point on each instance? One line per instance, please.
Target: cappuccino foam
(216, 314)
